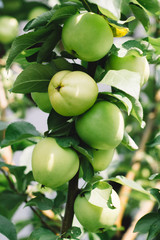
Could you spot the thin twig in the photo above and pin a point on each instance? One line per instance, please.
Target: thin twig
(42, 220)
(11, 184)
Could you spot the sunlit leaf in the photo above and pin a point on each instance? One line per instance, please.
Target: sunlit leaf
(7, 228)
(110, 8)
(127, 81)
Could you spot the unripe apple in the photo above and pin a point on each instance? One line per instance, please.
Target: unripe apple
(102, 126)
(132, 62)
(72, 93)
(87, 36)
(101, 159)
(53, 165)
(35, 12)
(11, 5)
(42, 101)
(8, 29)
(98, 209)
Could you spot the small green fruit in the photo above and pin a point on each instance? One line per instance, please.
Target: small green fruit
(98, 209)
(42, 101)
(35, 12)
(72, 93)
(8, 29)
(102, 159)
(11, 5)
(53, 165)
(87, 36)
(102, 126)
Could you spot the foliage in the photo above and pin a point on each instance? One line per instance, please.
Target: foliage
(32, 59)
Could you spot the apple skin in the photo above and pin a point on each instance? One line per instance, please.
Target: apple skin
(8, 29)
(42, 101)
(102, 126)
(72, 93)
(92, 211)
(87, 36)
(130, 62)
(53, 165)
(101, 159)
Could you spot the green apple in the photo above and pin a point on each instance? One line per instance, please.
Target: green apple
(132, 62)
(102, 159)
(8, 29)
(12, 5)
(87, 36)
(42, 101)
(98, 209)
(102, 126)
(37, 11)
(72, 93)
(53, 165)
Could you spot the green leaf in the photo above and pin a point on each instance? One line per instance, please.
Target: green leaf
(61, 64)
(154, 230)
(140, 14)
(42, 234)
(63, 13)
(135, 45)
(137, 111)
(41, 202)
(66, 142)
(25, 41)
(18, 131)
(13, 168)
(129, 142)
(3, 125)
(110, 8)
(102, 184)
(35, 78)
(39, 21)
(144, 224)
(132, 184)
(49, 45)
(84, 150)
(21, 224)
(155, 42)
(131, 18)
(9, 202)
(7, 228)
(87, 169)
(116, 97)
(154, 142)
(18, 172)
(21, 145)
(59, 200)
(152, 6)
(155, 176)
(23, 56)
(56, 121)
(73, 232)
(156, 194)
(124, 80)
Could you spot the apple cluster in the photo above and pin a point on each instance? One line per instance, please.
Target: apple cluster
(98, 123)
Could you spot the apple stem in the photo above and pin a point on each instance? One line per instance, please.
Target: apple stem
(69, 210)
